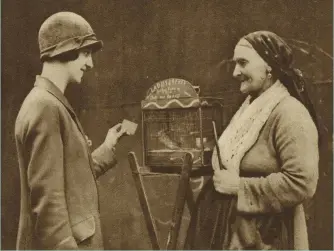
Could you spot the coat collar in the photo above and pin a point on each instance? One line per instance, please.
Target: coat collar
(49, 86)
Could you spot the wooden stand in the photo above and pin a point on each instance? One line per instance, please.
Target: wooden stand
(184, 193)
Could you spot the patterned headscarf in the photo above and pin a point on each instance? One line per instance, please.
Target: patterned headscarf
(278, 55)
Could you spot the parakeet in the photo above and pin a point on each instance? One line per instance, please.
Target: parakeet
(167, 141)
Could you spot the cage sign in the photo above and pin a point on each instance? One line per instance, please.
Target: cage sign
(172, 88)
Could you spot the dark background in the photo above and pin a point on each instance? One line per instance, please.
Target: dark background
(147, 41)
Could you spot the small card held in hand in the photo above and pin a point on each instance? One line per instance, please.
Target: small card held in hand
(129, 127)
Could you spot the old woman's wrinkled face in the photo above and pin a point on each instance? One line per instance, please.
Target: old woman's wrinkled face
(250, 69)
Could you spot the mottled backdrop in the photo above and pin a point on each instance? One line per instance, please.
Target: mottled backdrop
(147, 41)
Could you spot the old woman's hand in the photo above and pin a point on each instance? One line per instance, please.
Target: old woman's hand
(226, 181)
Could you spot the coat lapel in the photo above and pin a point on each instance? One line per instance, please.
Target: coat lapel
(50, 87)
(54, 90)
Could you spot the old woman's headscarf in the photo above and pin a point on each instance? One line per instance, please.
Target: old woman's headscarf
(278, 55)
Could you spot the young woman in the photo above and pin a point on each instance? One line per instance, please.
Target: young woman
(59, 197)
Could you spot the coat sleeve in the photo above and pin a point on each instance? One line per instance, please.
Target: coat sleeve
(103, 159)
(45, 172)
(295, 140)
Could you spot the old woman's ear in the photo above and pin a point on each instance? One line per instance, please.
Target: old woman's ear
(269, 69)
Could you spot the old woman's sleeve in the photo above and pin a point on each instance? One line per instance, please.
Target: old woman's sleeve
(296, 143)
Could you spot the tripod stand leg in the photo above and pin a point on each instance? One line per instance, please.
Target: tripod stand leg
(182, 191)
(190, 199)
(143, 200)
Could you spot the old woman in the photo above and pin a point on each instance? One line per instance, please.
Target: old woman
(269, 155)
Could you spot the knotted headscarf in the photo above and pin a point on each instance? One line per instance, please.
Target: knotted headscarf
(278, 55)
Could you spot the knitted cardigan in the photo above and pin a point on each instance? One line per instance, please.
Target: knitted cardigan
(287, 155)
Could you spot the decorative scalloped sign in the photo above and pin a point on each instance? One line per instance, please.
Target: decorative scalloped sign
(172, 88)
(171, 93)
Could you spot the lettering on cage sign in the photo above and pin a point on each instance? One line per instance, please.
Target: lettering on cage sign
(170, 89)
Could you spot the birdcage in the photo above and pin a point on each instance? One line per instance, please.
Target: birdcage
(177, 120)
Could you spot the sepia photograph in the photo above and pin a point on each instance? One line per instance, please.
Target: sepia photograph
(167, 125)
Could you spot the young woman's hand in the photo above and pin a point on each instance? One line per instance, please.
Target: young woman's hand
(113, 136)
